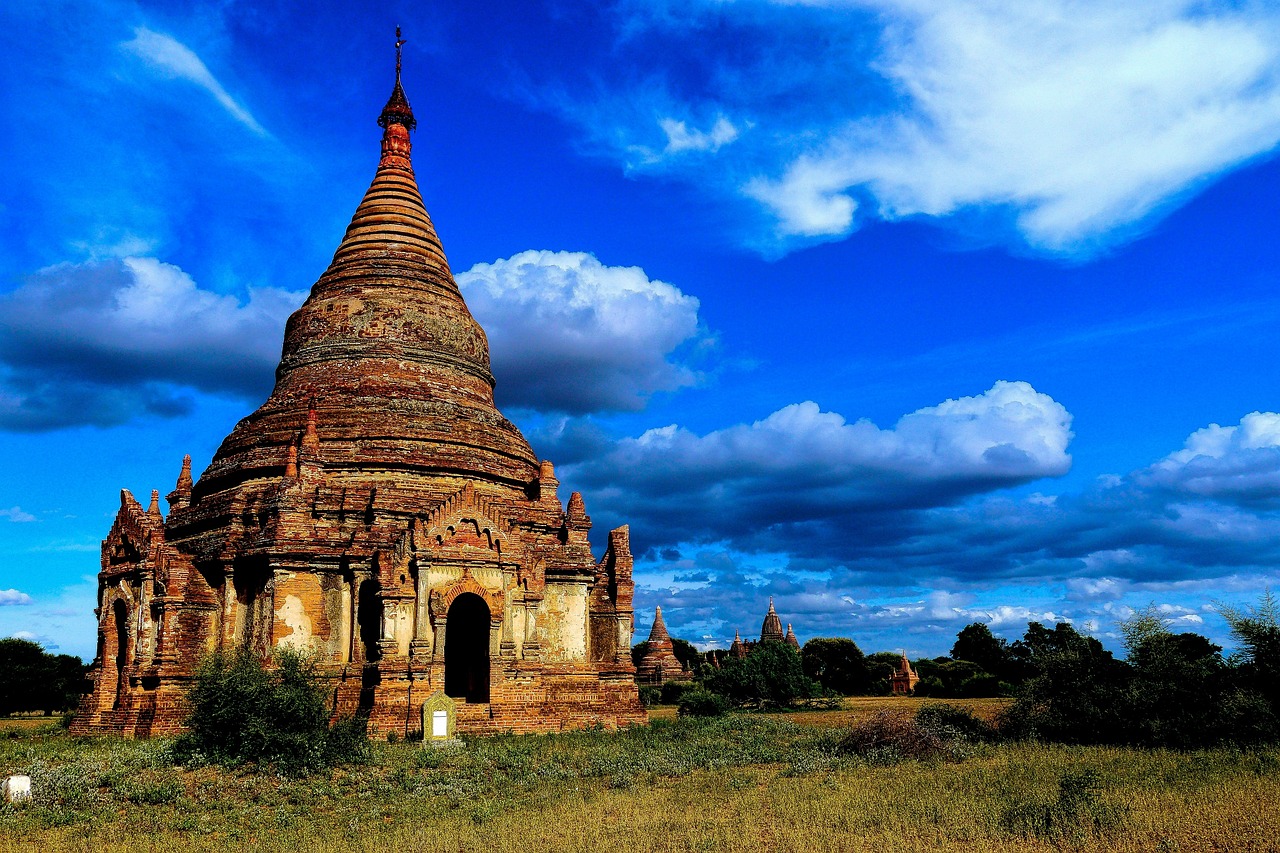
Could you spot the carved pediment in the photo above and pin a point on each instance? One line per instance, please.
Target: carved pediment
(133, 535)
(467, 520)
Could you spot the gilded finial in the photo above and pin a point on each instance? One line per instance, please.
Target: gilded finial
(399, 44)
(397, 110)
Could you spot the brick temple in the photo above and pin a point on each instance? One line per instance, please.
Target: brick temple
(378, 512)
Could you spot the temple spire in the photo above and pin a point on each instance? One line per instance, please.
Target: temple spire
(399, 44)
(397, 110)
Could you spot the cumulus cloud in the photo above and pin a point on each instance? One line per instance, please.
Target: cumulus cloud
(799, 467)
(1076, 121)
(17, 514)
(99, 343)
(570, 334)
(172, 59)
(10, 597)
(855, 529)
(1238, 464)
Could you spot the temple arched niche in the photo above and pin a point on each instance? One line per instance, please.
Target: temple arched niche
(118, 644)
(466, 648)
(369, 620)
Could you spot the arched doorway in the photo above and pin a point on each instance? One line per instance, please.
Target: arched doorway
(120, 615)
(369, 620)
(466, 649)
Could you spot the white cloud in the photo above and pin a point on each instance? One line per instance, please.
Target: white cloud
(1232, 463)
(1080, 116)
(9, 597)
(17, 514)
(101, 342)
(681, 138)
(568, 333)
(1009, 433)
(175, 60)
(805, 481)
(1074, 122)
(61, 619)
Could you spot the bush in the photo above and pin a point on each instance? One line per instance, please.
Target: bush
(673, 691)
(889, 736)
(1076, 815)
(951, 722)
(243, 713)
(703, 703)
(650, 696)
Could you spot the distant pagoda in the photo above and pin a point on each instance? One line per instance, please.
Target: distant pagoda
(771, 631)
(659, 663)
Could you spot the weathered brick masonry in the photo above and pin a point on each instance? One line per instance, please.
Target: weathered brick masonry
(377, 511)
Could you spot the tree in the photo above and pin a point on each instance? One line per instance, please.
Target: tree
(837, 664)
(771, 675)
(31, 679)
(687, 653)
(1257, 630)
(880, 666)
(1075, 690)
(975, 643)
(946, 678)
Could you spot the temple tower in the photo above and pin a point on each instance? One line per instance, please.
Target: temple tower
(659, 663)
(771, 630)
(376, 511)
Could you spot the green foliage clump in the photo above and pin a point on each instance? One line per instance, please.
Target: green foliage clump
(952, 722)
(650, 696)
(837, 664)
(31, 679)
(674, 691)
(243, 713)
(1073, 696)
(770, 676)
(703, 703)
(976, 644)
(1078, 814)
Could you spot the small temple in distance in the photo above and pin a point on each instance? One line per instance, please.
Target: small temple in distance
(378, 513)
(770, 631)
(659, 664)
(904, 679)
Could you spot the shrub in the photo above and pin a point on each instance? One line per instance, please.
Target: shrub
(650, 696)
(951, 722)
(672, 691)
(889, 736)
(243, 713)
(1077, 814)
(703, 703)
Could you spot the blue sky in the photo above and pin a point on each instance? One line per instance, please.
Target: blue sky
(908, 314)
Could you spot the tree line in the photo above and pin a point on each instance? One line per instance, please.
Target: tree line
(34, 681)
(1169, 689)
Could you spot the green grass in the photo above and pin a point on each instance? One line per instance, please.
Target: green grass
(741, 783)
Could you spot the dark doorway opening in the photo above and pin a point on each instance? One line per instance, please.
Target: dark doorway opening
(466, 649)
(369, 618)
(121, 615)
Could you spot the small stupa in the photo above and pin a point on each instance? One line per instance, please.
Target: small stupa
(659, 663)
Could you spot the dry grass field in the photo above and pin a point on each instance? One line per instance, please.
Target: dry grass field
(742, 783)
